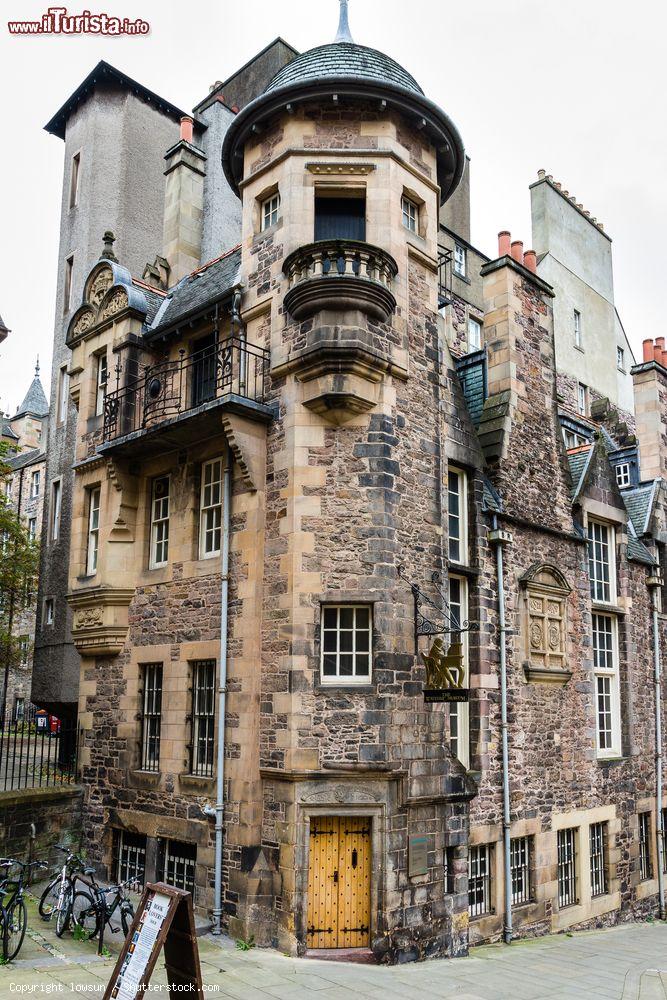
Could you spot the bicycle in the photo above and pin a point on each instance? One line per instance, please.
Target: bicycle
(13, 915)
(59, 893)
(92, 913)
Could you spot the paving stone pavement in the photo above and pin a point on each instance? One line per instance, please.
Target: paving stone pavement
(621, 963)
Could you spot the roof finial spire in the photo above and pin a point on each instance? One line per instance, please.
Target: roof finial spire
(37, 367)
(343, 25)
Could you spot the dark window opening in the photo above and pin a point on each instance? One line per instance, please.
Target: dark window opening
(340, 218)
(203, 370)
(177, 863)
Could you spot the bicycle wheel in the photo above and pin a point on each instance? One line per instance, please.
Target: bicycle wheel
(85, 914)
(63, 910)
(49, 900)
(126, 917)
(16, 922)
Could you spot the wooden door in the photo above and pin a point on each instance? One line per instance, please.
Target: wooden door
(339, 882)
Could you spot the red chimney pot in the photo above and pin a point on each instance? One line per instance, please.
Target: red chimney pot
(504, 240)
(658, 349)
(517, 251)
(647, 346)
(186, 129)
(530, 261)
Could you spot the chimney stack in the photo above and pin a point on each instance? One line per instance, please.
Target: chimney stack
(649, 381)
(504, 243)
(517, 251)
(183, 204)
(530, 261)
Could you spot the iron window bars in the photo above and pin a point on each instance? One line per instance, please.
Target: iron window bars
(131, 857)
(479, 880)
(520, 859)
(203, 718)
(151, 717)
(179, 865)
(645, 861)
(598, 859)
(567, 868)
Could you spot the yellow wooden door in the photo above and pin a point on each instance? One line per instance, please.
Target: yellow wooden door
(339, 882)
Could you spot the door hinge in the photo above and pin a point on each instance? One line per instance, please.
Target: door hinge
(355, 930)
(358, 833)
(320, 930)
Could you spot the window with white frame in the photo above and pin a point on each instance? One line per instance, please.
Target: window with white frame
(9, 483)
(346, 644)
(582, 399)
(577, 328)
(35, 483)
(520, 861)
(620, 359)
(410, 214)
(459, 712)
(210, 514)
(607, 689)
(49, 611)
(645, 860)
(131, 857)
(203, 717)
(601, 562)
(151, 716)
(567, 867)
(623, 474)
(56, 502)
(457, 522)
(460, 261)
(101, 383)
(598, 859)
(573, 440)
(474, 334)
(160, 522)
(24, 648)
(32, 528)
(270, 210)
(19, 709)
(93, 530)
(479, 880)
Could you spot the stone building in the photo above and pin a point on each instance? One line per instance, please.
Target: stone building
(367, 642)
(25, 432)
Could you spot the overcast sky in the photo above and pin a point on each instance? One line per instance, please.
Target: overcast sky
(576, 87)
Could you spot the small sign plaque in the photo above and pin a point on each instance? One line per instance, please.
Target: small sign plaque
(437, 695)
(417, 856)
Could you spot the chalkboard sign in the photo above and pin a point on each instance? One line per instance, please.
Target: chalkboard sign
(164, 919)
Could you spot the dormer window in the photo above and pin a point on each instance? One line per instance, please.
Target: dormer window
(623, 477)
(270, 210)
(101, 386)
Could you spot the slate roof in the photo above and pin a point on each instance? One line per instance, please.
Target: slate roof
(343, 60)
(638, 551)
(471, 369)
(27, 458)
(639, 504)
(197, 291)
(578, 462)
(491, 497)
(6, 429)
(3, 325)
(34, 401)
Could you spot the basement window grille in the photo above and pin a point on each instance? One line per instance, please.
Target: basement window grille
(567, 868)
(203, 717)
(520, 854)
(598, 858)
(645, 863)
(179, 864)
(151, 717)
(479, 880)
(131, 857)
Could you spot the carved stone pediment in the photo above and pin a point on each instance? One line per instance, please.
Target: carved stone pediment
(99, 622)
(107, 293)
(545, 596)
(340, 793)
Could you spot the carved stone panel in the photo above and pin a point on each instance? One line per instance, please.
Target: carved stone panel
(545, 624)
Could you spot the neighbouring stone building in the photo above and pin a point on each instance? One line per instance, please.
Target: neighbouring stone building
(368, 608)
(25, 433)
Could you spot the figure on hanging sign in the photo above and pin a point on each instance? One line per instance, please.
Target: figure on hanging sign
(445, 673)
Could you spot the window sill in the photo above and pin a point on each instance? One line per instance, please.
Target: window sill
(462, 568)
(144, 779)
(481, 916)
(462, 277)
(610, 609)
(366, 688)
(196, 782)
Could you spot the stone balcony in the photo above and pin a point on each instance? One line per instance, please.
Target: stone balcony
(340, 275)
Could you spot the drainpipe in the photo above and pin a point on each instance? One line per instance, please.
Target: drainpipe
(222, 695)
(654, 582)
(499, 538)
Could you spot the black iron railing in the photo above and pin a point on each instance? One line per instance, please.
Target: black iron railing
(177, 386)
(37, 752)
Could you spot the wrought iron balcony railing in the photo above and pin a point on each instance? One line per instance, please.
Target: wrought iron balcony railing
(185, 385)
(340, 275)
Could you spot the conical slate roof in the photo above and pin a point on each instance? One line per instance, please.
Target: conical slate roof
(342, 60)
(35, 401)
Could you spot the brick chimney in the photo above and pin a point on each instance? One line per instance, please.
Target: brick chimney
(649, 380)
(184, 204)
(519, 429)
